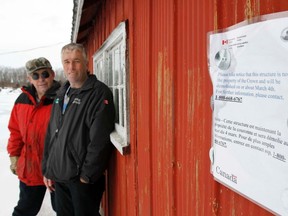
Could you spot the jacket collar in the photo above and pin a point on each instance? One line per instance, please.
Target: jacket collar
(88, 84)
(50, 93)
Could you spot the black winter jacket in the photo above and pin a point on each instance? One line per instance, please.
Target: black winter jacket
(77, 143)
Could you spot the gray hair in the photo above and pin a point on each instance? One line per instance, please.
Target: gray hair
(75, 46)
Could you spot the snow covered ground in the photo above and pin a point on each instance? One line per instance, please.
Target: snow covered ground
(9, 183)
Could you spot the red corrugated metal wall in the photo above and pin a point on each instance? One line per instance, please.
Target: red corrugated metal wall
(168, 169)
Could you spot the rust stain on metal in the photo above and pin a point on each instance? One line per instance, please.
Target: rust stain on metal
(159, 83)
(248, 10)
(215, 206)
(215, 15)
(191, 97)
(164, 90)
(236, 9)
(164, 121)
(198, 197)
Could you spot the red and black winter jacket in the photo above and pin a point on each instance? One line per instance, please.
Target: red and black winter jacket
(27, 125)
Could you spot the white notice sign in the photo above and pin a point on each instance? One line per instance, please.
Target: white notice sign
(248, 66)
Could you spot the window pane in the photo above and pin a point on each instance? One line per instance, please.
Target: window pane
(122, 107)
(110, 70)
(116, 64)
(99, 70)
(121, 65)
(116, 103)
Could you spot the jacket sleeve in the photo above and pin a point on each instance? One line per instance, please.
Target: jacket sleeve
(102, 117)
(15, 141)
(47, 144)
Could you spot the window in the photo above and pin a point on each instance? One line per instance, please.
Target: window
(111, 67)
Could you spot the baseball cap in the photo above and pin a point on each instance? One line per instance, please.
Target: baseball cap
(36, 64)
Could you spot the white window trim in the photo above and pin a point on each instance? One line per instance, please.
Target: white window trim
(120, 137)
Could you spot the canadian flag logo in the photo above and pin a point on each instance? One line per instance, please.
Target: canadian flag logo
(224, 42)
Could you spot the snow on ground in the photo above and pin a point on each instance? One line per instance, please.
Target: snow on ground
(9, 186)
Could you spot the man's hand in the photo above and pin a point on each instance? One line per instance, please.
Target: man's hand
(83, 181)
(13, 164)
(49, 184)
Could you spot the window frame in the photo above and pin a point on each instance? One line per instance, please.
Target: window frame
(120, 137)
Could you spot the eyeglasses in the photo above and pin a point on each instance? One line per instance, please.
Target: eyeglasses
(44, 75)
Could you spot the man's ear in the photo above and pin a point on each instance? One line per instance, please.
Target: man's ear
(53, 73)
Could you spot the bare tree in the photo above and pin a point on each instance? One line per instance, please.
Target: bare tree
(17, 77)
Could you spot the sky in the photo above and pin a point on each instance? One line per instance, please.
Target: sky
(32, 29)
(9, 183)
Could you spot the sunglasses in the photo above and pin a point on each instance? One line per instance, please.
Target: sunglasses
(44, 75)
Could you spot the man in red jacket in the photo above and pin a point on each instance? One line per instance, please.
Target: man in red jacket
(28, 123)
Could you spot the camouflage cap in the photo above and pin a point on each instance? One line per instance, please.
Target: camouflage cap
(36, 64)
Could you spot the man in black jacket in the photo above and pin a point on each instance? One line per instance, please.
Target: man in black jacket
(77, 145)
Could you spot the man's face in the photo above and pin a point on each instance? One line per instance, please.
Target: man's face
(42, 80)
(75, 67)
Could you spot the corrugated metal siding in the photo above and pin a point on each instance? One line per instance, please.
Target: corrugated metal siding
(168, 170)
(142, 47)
